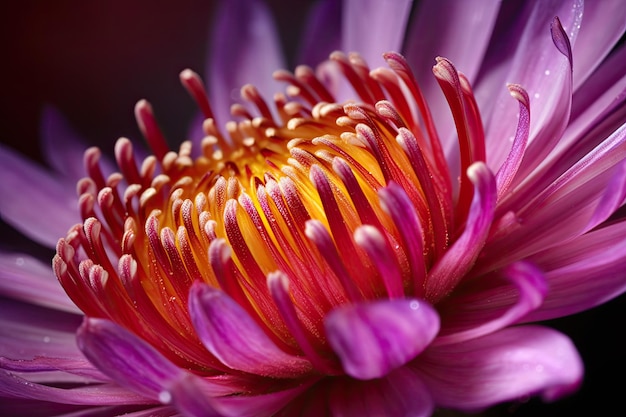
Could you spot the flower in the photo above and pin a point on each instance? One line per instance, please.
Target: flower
(349, 251)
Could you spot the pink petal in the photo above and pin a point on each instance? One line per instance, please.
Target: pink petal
(567, 208)
(25, 278)
(583, 273)
(598, 109)
(371, 339)
(602, 26)
(231, 335)
(372, 27)
(486, 305)
(26, 188)
(510, 364)
(538, 66)
(245, 49)
(400, 393)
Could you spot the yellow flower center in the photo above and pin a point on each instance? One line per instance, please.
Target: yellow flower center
(348, 201)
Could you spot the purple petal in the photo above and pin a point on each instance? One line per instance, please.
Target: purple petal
(54, 370)
(612, 198)
(231, 335)
(130, 361)
(568, 207)
(125, 358)
(538, 66)
(401, 393)
(26, 188)
(583, 273)
(372, 27)
(322, 33)
(491, 304)
(372, 339)
(598, 109)
(602, 26)
(25, 278)
(28, 331)
(245, 49)
(62, 145)
(460, 257)
(14, 386)
(458, 31)
(510, 364)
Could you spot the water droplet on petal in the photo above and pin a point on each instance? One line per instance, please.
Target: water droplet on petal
(165, 397)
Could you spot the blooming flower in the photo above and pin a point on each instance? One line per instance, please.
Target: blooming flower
(360, 246)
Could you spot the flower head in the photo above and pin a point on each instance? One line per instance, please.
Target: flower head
(343, 250)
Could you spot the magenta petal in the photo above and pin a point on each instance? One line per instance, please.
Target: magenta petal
(400, 393)
(491, 305)
(187, 396)
(371, 339)
(131, 362)
(583, 273)
(231, 335)
(613, 197)
(506, 365)
(125, 358)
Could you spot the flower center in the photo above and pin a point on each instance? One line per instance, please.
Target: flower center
(335, 203)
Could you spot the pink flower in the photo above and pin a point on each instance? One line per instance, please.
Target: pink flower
(360, 246)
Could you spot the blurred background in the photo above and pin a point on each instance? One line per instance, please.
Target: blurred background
(93, 60)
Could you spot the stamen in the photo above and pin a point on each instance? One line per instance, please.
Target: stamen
(318, 234)
(124, 158)
(401, 67)
(389, 80)
(306, 75)
(195, 87)
(251, 94)
(91, 160)
(397, 204)
(301, 89)
(278, 285)
(374, 243)
(150, 130)
(348, 70)
(450, 83)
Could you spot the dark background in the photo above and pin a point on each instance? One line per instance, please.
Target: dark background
(93, 60)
